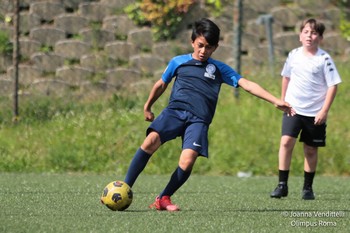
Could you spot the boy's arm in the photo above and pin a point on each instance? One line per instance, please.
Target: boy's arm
(322, 115)
(158, 89)
(255, 89)
(284, 86)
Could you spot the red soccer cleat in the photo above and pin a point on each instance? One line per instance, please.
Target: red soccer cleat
(164, 203)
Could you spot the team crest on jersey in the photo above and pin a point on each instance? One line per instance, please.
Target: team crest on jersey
(210, 70)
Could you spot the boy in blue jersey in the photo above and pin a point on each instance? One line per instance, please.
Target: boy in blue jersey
(191, 108)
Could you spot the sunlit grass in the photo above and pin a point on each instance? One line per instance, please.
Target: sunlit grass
(70, 203)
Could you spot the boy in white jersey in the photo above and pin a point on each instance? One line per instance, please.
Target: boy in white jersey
(309, 84)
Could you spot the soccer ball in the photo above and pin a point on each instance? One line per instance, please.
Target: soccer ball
(117, 195)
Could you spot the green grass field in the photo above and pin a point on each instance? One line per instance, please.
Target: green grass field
(70, 203)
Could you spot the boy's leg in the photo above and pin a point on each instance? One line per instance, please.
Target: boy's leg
(179, 177)
(311, 157)
(284, 159)
(141, 157)
(137, 165)
(310, 164)
(313, 136)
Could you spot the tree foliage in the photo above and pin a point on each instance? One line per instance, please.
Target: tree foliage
(344, 21)
(164, 16)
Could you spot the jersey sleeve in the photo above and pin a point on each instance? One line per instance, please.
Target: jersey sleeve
(331, 73)
(170, 71)
(229, 75)
(287, 70)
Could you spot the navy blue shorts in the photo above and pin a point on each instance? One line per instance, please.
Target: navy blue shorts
(311, 134)
(172, 123)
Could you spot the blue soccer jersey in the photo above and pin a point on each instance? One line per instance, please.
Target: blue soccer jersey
(197, 84)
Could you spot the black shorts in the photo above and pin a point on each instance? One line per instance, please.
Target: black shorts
(311, 134)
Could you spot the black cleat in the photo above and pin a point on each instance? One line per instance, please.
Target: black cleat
(308, 194)
(280, 191)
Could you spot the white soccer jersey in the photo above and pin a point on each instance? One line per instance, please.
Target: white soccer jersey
(310, 78)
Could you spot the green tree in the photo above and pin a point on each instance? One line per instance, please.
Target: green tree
(164, 16)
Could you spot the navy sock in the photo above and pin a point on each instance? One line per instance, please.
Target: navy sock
(283, 176)
(178, 178)
(308, 179)
(137, 165)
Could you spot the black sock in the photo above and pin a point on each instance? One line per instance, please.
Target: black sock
(283, 176)
(308, 179)
(137, 165)
(177, 179)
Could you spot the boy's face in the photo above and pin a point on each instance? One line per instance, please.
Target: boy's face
(309, 37)
(201, 49)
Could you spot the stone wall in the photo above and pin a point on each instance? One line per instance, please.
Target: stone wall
(88, 48)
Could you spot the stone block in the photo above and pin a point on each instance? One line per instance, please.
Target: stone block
(71, 23)
(118, 4)
(71, 49)
(333, 16)
(50, 87)
(261, 53)
(73, 5)
(96, 90)
(334, 43)
(74, 75)
(259, 30)
(122, 78)
(6, 86)
(28, 47)
(97, 62)
(26, 74)
(5, 62)
(47, 35)
(287, 17)
(147, 63)
(223, 52)
(120, 25)
(46, 10)
(261, 6)
(48, 62)
(249, 13)
(28, 21)
(287, 41)
(97, 38)
(95, 11)
(120, 50)
(248, 41)
(312, 6)
(141, 38)
(168, 50)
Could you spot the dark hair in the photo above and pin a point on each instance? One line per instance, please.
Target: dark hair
(315, 25)
(206, 28)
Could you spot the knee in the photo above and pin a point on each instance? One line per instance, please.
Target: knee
(310, 151)
(187, 163)
(151, 143)
(287, 143)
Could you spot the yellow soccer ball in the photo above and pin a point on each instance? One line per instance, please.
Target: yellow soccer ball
(117, 195)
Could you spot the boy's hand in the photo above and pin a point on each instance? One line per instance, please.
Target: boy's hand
(149, 116)
(285, 107)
